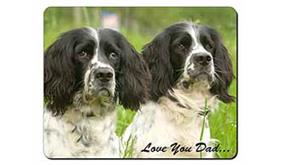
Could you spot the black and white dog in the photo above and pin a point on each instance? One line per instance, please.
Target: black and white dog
(86, 71)
(191, 70)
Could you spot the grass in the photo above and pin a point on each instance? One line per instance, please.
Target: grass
(223, 122)
(203, 125)
(223, 125)
(125, 117)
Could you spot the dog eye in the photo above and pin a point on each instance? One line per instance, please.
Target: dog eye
(83, 54)
(208, 46)
(113, 55)
(180, 46)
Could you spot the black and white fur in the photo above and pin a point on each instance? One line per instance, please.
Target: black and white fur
(86, 71)
(190, 66)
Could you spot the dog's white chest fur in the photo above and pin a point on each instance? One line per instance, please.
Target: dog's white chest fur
(167, 122)
(73, 135)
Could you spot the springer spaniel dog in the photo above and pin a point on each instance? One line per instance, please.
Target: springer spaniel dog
(86, 73)
(191, 70)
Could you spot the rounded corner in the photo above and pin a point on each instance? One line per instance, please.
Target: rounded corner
(46, 9)
(234, 156)
(234, 10)
(47, 156)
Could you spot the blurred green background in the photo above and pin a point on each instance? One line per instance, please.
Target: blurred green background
(140, 25)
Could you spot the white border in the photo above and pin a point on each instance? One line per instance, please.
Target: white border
(21, 68)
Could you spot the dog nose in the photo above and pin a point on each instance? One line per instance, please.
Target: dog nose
(104, 74)
(202, 59)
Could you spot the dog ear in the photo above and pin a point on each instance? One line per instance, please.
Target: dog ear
(59, 76)
(133, 79)
(157, 56)
(224, 71)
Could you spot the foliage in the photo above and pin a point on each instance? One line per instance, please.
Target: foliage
(140, 25)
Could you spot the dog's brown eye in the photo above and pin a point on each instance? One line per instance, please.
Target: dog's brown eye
(83, 54)
(113, 55)
(180, 46)
(209, 46)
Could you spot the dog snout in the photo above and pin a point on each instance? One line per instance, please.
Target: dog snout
(103, 74)
(202, 59)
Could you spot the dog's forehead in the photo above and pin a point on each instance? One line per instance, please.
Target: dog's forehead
(107, 34)
(94, 33)
(193, 30)
(194, 33)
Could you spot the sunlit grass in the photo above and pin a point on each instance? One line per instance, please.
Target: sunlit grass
(223, 122)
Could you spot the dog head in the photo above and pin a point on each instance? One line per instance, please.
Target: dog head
(186, 53)
(96, 64)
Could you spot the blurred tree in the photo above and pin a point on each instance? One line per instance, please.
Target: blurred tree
(144, 20)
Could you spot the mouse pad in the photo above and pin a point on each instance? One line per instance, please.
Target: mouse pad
(140, 83)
